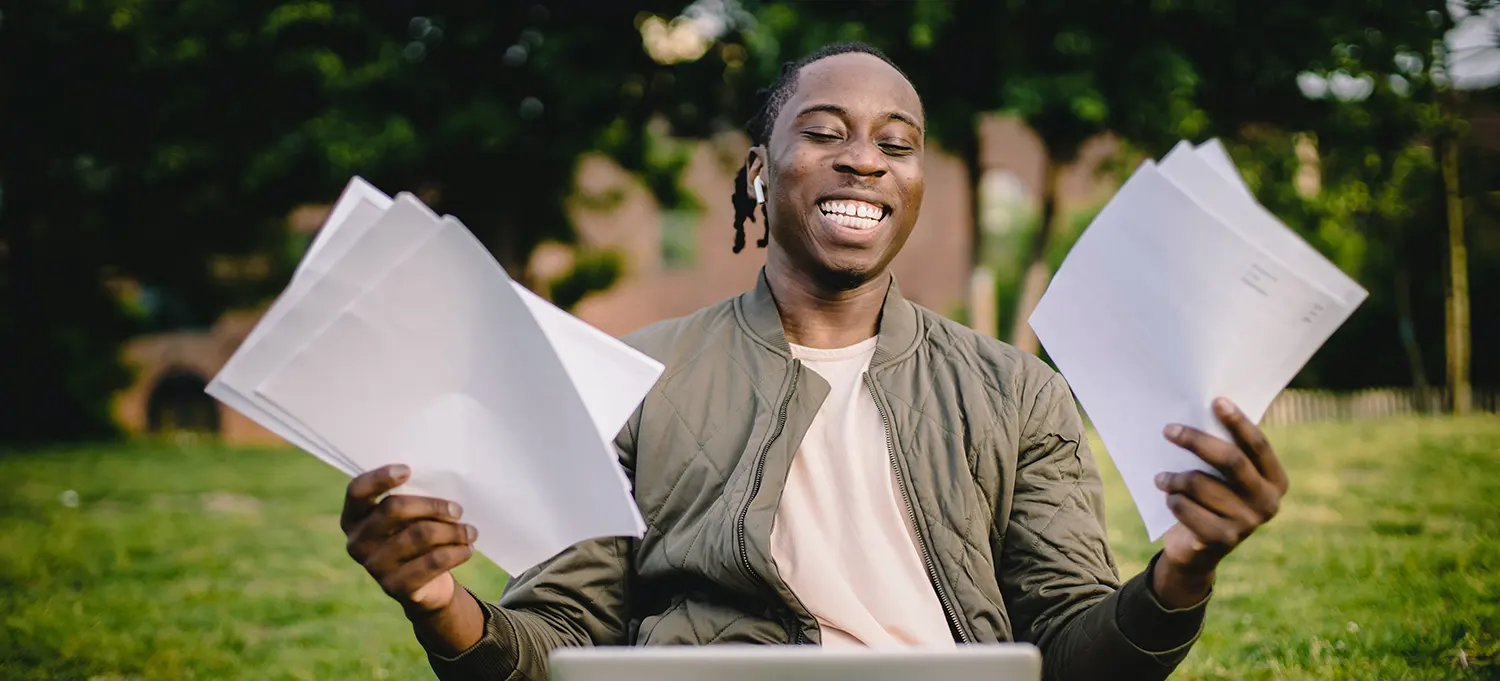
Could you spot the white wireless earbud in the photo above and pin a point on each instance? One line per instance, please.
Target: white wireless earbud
(760, 191)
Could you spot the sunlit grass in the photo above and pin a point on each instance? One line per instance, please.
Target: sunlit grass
(215, 563)
(195, 562)
(1384, 562)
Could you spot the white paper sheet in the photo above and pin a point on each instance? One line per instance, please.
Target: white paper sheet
(600, 367)
(1159, 308)
(306, 309)
(358, 208)
(442, 366)
(1224, 198)
(1189, 170)
(1217, 157)
(594, 360)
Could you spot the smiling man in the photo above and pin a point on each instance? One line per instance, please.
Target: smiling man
(825, 462)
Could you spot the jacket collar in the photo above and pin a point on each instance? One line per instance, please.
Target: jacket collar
(900, 322)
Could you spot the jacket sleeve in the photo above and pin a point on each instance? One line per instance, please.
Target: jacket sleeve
(580, 597)
(1056, 569)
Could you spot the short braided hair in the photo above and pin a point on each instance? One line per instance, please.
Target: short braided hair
(759, 126)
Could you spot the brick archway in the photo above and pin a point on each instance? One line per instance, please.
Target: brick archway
(177, 403)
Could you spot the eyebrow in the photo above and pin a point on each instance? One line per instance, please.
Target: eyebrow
(841, 111)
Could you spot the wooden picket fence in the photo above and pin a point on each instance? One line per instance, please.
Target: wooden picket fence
(1302, 406)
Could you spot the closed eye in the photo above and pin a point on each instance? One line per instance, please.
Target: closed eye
(820, 136)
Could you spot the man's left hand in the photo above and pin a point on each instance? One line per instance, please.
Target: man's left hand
(1214, 516)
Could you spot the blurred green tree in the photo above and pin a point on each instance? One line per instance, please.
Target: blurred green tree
(1374, 154)
(142, 139)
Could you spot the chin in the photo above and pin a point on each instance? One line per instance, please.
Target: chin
(847, 274)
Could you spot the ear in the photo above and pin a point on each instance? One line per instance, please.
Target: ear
(755, 166)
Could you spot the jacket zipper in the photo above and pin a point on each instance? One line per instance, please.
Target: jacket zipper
(760, 469)
(793, 630)
(911, 515)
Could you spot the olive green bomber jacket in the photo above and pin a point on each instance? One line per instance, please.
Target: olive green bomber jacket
(989, 452)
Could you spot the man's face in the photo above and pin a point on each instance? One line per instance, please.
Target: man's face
(843, 169)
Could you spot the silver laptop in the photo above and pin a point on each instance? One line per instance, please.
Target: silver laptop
(993, 662)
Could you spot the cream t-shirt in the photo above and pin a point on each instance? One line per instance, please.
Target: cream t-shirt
(842, 539)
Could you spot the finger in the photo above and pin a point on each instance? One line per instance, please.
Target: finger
(1212, 494)
(1253, 441)
(397, 511)
(364, 492)
(402, 582)
(392, 515)
(1226, 458)
(416, 539)
(1216, 535)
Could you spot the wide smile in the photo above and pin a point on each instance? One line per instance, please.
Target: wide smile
(860, 216)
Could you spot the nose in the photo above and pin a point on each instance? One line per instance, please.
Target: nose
(860, 157)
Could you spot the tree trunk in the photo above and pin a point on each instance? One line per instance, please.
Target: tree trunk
(1038, 272)
(983, 312)
(1457, 294)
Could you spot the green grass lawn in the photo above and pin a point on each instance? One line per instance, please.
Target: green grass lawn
(204, 562)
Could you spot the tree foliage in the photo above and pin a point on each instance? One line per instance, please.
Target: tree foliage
(142, 138)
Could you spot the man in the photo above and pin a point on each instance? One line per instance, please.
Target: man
(824, 462)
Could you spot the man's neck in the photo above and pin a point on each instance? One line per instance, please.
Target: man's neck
(815, 316)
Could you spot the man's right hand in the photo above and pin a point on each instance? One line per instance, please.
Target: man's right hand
(409, 544)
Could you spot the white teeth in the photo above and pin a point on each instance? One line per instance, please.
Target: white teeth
(852, 222)
(853, 214)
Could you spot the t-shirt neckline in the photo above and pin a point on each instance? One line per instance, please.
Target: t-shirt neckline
(833, 354)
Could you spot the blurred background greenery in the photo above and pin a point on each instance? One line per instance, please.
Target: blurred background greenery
(153, 151)
(162, 165)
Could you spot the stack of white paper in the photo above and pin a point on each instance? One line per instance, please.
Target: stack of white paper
(401, 340)
(1184, 289)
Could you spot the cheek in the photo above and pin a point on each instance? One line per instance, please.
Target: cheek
(795, 176)
(794, 171)
(912, 188)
